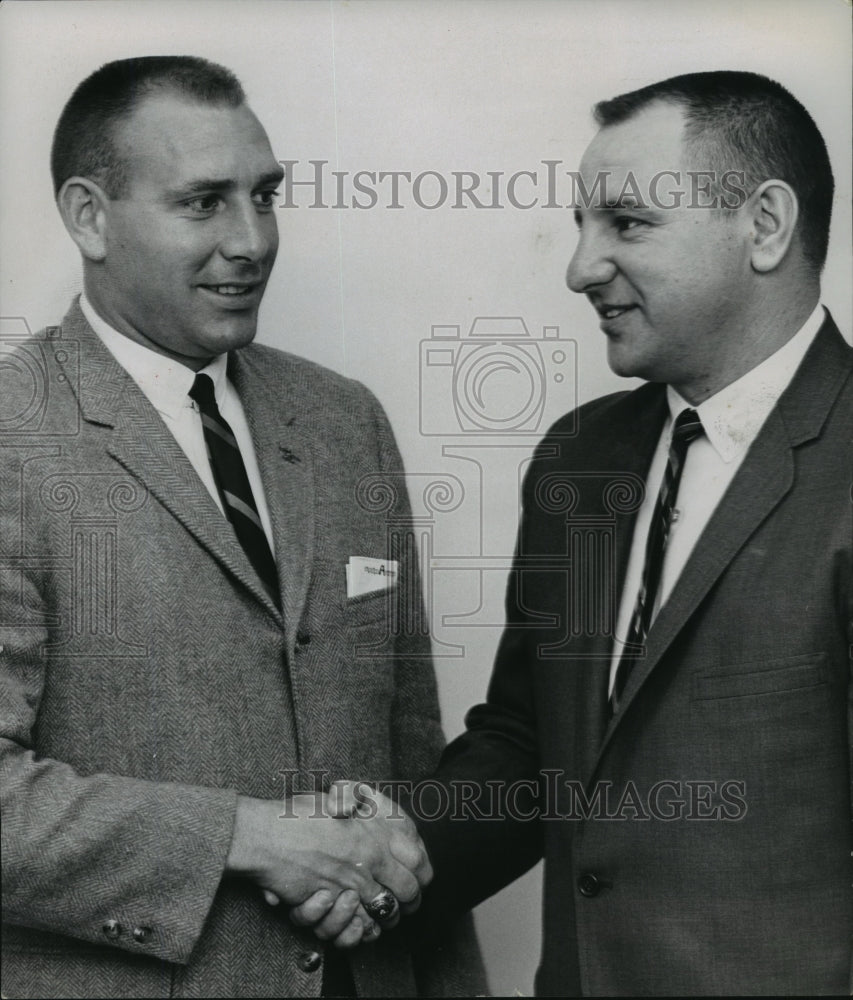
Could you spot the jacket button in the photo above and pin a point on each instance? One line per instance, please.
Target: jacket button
(310, 961)
(303, 638)
(589, 885)
(141, 934)
(112, 929)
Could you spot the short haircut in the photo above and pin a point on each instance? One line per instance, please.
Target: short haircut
(84, 141)
(748, 122)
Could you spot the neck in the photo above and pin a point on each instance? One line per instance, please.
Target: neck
(774, 318)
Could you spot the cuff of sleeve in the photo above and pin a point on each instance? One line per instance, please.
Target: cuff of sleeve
(165, 917)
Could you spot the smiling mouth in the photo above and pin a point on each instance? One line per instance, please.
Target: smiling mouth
(612, 312)
(231, 290)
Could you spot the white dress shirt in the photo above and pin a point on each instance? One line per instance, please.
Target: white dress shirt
(731, 419)
(166, 383)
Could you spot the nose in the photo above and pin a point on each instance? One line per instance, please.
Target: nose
(251, 235)
(591, 264)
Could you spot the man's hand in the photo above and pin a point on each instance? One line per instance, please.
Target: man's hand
(337, 919)
(341, 850)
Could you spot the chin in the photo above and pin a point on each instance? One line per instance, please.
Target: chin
(235, 336)
(623, 363)
(630, 364)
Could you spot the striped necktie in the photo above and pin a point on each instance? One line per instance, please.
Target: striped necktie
(687, 428)
(232, 482)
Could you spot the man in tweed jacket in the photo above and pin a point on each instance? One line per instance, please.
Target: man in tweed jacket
(157, 701)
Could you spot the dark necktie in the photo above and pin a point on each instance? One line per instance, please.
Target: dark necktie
(232, 482)
(687, 427)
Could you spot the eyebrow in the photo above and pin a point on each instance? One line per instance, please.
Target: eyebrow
(628, 201)
(205, 184)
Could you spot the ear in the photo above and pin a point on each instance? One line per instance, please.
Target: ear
(83, 206)
(774, 211)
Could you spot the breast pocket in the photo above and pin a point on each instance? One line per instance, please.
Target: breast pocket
(370, 609)
(366, 684)
(767, 677)
(775, 710)
(372, 623)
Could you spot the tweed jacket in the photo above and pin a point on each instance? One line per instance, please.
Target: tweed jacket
(146, 678)
(699, 841)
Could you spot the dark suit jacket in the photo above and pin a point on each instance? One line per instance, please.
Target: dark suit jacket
(146, 678)
(700, 842)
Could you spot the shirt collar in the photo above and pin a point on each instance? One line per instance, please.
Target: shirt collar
(165, 382)
(732, 417)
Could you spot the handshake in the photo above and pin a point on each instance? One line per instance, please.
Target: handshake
(347, 862)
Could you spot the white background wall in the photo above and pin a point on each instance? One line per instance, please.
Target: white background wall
(418, 85)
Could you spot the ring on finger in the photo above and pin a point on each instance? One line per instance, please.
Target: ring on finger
(383, 906)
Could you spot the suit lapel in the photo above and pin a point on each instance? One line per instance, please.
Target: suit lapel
(762, 481)
(285, 459)
(139, 440)
(636, 429)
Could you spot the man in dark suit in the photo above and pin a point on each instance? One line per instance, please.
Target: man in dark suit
(190, 631)
(669, 718)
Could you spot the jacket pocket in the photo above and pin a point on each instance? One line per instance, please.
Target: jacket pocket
(764, 677)
(367, 609)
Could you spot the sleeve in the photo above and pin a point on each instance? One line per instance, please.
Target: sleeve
(105, 858)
